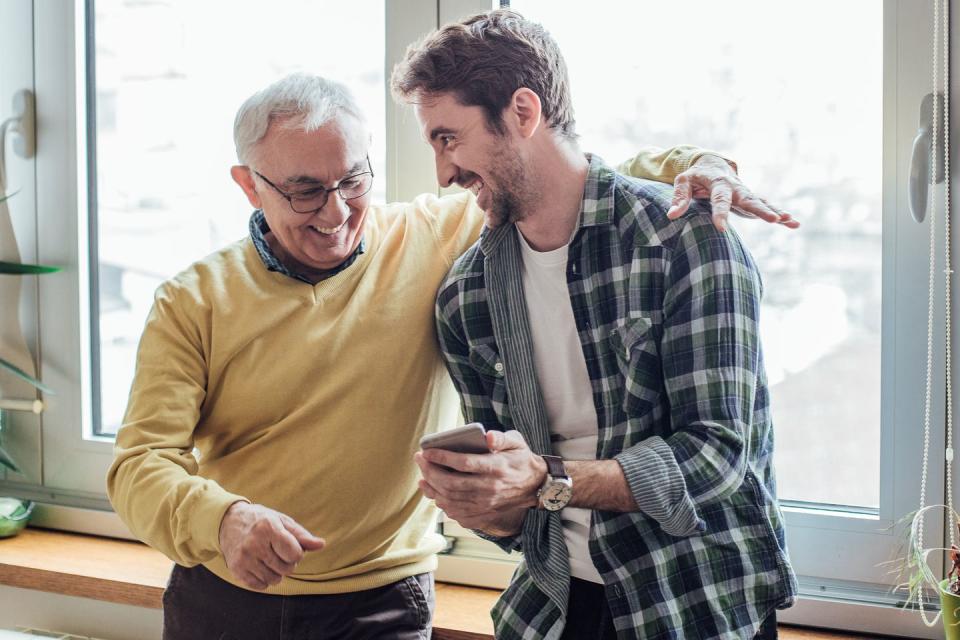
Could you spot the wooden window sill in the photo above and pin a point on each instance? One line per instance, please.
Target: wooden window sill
(134, 574)
(131, 573)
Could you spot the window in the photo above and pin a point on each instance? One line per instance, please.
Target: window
(810, 141)
(167, 78)
(137, 101)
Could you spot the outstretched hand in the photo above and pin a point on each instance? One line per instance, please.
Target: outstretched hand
(712, 178)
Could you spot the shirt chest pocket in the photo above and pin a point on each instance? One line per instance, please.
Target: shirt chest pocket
(635, 347)
(486, 361)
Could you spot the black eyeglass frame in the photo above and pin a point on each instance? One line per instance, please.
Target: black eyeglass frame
(326, 192)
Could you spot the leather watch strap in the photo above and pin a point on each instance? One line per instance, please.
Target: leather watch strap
(555, 466)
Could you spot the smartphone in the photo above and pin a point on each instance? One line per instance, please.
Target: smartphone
(467, 439)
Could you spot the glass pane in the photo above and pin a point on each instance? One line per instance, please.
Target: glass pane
(803, 119)
(169, 78)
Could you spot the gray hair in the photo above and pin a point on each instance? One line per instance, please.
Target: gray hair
(301, 100)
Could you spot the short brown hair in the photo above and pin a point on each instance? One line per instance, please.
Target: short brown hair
(483, 60)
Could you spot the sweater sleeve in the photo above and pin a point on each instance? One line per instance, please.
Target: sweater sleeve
(153, 482)
(456, 219)
(664, 165)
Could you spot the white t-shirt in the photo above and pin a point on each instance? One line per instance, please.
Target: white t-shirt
(564, 383)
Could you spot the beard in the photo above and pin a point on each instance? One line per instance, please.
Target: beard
(511, 192)
(505, 208)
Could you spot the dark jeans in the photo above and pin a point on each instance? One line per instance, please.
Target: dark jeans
(588, 616)
(198, 605)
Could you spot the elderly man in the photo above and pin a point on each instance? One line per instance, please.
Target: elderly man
(612, 353)
(283, 383)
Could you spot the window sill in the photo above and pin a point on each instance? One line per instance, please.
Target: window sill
(133, 574)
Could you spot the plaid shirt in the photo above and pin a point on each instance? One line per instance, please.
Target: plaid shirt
(667, 316)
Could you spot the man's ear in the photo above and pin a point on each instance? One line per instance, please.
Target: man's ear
(243, 176)
(525, 111)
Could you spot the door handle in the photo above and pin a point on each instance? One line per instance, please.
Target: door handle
(920, 170)
(23, 125)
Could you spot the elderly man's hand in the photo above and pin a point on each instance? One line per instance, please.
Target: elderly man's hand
(711, 177)
(489, 491)
(261, 545)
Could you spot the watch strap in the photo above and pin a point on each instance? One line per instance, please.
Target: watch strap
(555, 466)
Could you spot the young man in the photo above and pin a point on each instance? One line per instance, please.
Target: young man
(613, 353)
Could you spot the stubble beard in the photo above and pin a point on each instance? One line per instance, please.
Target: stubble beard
(510, 200)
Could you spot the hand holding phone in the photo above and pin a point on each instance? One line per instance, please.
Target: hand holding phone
(471, 438)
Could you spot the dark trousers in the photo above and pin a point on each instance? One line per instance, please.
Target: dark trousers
(197, 605)
(588, 615)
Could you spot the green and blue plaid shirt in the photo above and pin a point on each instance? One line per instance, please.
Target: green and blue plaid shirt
(667, 316)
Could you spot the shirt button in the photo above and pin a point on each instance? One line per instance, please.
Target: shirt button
(498, 368)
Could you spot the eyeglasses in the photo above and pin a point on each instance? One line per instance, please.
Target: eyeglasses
(312, 200)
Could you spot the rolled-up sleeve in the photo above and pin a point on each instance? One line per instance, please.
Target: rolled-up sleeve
(709, 351)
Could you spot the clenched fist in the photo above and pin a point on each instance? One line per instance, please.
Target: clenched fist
(261, 545)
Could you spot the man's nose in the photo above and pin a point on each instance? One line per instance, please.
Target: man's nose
(447, 171)
(336, 208)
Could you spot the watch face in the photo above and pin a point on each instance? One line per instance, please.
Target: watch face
(556, 496)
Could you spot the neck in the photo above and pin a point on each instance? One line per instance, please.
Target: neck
(310, 273)
(550, 221)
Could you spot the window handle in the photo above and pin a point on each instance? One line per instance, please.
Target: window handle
(22, 124)
(918, 185)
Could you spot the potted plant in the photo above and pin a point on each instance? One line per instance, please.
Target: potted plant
(15, 513)
(921, 578)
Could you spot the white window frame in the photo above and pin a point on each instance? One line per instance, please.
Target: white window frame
(65, 465)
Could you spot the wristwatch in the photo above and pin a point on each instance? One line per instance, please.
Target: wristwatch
(557, 489)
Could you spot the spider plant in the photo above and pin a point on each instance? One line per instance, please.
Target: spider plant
(919, 579)
(17, 269)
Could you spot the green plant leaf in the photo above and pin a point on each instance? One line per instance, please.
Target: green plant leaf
(25, 377)
(7, 461)
(15, 268)
(4, 198)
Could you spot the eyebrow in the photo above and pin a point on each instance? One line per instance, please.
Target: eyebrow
(358, 167)
(440, 131)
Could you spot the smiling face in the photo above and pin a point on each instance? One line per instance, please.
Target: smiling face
(299, 162)
(470, 155)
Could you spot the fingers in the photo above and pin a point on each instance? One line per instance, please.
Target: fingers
(787, 220)
(721, 197)
(265, 574)
(261, 546)
(304, 538)
(256, 574)
(250, 580)
(286, 548)
(506, 440)
(681, 197)
(277, 564)
(462, 462)
(790, 224)
(754, 207)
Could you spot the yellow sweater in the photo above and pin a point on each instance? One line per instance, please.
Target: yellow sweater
(310, 400)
